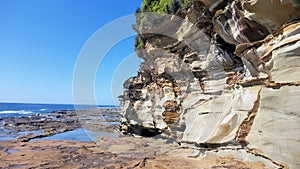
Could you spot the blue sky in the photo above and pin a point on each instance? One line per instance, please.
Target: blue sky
(40, 41)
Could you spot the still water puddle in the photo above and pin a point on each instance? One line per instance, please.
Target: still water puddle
(81, 135)
(18, 166)
(11, 151)
(7, 135)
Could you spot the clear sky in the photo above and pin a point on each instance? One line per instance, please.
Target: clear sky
(40, 41)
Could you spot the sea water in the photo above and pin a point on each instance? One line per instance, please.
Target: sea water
(28, 109)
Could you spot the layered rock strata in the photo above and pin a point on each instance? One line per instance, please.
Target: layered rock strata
(220, 75)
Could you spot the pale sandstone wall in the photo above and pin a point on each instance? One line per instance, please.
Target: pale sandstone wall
(228, 79)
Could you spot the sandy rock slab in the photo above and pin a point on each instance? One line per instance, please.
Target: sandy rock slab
(124, 152)
(59, 154)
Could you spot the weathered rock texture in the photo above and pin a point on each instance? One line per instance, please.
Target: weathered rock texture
(220, 75)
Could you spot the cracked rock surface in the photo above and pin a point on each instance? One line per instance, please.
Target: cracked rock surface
(222, 77)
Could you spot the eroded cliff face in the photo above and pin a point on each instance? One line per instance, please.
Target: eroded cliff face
(222, 76)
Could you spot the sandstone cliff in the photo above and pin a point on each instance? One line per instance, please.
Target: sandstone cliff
(222, 76)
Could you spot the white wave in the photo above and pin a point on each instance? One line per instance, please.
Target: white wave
(15, 112)
(43, 109)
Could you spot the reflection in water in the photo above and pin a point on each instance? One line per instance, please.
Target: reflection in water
(82, 135)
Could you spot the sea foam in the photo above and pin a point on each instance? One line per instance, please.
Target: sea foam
(15, 112)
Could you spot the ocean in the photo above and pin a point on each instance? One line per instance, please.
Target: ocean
(28, 109)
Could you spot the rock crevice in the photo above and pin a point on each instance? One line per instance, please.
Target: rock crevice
(247, 123)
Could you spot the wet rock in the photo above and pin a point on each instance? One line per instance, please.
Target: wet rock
(42, 125)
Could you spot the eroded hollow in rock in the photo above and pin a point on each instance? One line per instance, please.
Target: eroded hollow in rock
(144, 132)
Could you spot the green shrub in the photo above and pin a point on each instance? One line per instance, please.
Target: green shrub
(159, 6)
(185, 3)
(139, 43)
(163, 6)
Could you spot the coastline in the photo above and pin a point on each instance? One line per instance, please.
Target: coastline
(43, 146)
(60, 121)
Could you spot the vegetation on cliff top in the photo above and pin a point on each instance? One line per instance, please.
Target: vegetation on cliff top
(163, 6)
(156, 5)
